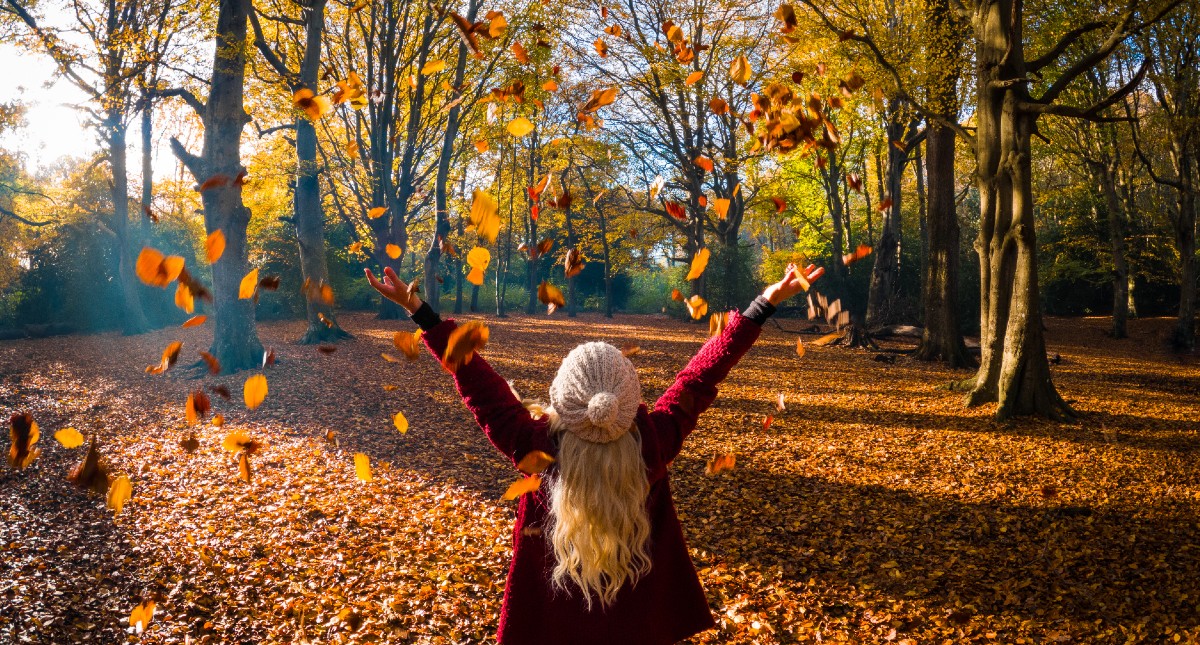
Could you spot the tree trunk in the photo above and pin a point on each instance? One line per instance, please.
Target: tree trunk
(235, 338)
(881, 298)
(310, 216)
(147, 165)
(1116, 245)
(134, 319)
(1014, 371)
(831, 176)
(1185, 236)
(942, 339)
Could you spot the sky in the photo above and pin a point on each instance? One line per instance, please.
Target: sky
(54, 128)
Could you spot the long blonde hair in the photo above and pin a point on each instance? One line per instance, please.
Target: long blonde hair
(598, 525)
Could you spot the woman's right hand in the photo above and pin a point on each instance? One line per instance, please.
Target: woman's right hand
(394, 289)
(791, 284)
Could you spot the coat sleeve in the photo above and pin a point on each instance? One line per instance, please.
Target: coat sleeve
(507, 424)
(676, 411)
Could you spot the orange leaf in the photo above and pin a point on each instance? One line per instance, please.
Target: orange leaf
(362, 467)
(693, 78)
(676, 295)
(157, 270)
(195, 321)
(534, 462)
(214, 246)
(859, 253)
(522, 486)
(255, 391)
(704, 162)
(376, 212)
(24, 434)
(780, 205)
(699, 263)
(551, 296)
(464, 341)
(721, 464)
(169, 356)
(407, 343)
(697, 307)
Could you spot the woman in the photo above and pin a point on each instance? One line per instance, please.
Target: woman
(598, 554)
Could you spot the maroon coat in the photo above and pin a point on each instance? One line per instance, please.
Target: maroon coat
(667, 604)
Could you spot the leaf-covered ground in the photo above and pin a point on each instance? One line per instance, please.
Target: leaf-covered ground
(876, 509)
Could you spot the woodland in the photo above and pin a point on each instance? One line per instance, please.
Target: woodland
(979, 423)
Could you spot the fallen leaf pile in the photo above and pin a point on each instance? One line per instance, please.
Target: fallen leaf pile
(872, 508)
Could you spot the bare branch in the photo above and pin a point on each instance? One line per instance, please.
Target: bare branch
(1061, 46)
(187, 97)
(4, 212)
(269, 54)
(1091, 113)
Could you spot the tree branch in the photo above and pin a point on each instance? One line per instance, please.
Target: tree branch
(187, 97)
(261, 43)
(4, 212)
(1091, 113)
(1061, 46)
(194, 164)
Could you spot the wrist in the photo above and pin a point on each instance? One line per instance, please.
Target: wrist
(772, 295)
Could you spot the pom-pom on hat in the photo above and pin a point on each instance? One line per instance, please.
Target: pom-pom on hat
(596, 392)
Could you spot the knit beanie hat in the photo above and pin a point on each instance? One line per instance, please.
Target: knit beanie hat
(596, 392)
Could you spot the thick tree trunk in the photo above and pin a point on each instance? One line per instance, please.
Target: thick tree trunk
(235, 338)
(310, 216)
(942, 339)
(1014, 371)
(1185, 236)
(885, 273)
(133, 321)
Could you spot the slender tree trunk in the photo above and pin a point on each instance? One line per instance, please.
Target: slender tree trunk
(1185, 236)
(134, 319)
(1014, 371)
(235, 338)
(1116, 245)
(923, 219)
(885, 278)
(310, 215)
(587, 187)
(147, 166)
(531, 239)
(942, 339)
(831, 176)
(502, 276)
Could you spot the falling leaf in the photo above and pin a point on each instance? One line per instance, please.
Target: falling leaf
(721, 205)
(699, 263)
(238, 441)
(718, 106)
(119, 493)
(244, 471)
(214, 246)
(22, 435)
(362, 467)
(572, 263)
(479, 258)
(481, 145)
(697, 307)
(519, 52)
(376, 212)
(786, 15)
(676, 295)
(464, 341)
(656, 187)
(862, 251)
(675, 209)
(716, 323)
(693, 78)
(140, 617)
(157, 270)
(739, 70)
(855, 182)
(522, 486)
(721, 464)
(183, 298)
(520, 126)
(550, 86)
(268, 358)
(407, 343)
(767, 421)
(91, 473)
(780, 204)
(599, 99)
(534, 462)
(69, 438)
(484, 215)
(393, 251)
(255, 390)
(169, 356)
(779, 403)
(248, 285)
(196, 407)
(551, 296)
(195, 321)
(400, 422)
(433, 67)
(704, 162)
(885, 204)
(601, 47)
(312, 105)
(799, 350)
(630, 350)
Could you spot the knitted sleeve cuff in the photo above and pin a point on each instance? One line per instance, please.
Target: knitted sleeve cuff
(758, 310)
(425, 317)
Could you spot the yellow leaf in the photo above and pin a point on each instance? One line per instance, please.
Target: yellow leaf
(475, 277)
(433, 67)
(522, 486)
(118, 494)
(393, 251)
(721, 205)
(362, 466)
(697, 307)
(484, 215)
(376, 212)
(479, 258)
(248, 285)
(140, 617)
(255, 390)
(699, 263)
(69, 437)
(401, 422)
(693, 78)
(740, 70)
(520, 126)
(214, 246)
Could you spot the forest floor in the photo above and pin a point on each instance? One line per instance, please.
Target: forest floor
(875, 509)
